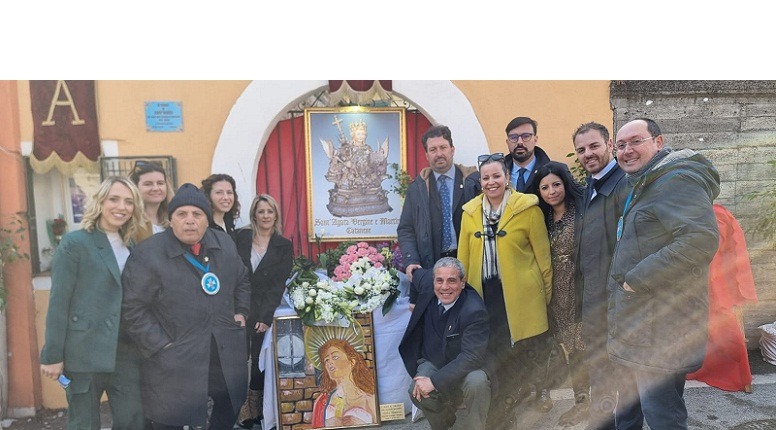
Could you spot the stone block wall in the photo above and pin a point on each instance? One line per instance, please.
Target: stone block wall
(733, 124)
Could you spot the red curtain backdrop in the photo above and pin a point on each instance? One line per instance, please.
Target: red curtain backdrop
(282, 173)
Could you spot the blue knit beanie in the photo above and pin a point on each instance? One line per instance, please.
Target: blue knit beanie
(189, 195)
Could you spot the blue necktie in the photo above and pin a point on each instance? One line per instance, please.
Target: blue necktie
(447, 217)
(521, 179)
(592, 188)
(441, 309)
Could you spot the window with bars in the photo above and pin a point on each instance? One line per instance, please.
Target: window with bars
(123, 166)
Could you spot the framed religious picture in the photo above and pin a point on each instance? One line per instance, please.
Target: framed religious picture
(325, 374)
(352, 154)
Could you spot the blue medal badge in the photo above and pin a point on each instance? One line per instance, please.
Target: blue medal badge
(211, 284)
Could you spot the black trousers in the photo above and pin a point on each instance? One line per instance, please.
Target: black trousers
(254, 348)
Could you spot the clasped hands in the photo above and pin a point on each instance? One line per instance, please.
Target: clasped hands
(423, 387)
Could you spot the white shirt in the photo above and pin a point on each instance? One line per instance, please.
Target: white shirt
(120, 251)
(601, 174)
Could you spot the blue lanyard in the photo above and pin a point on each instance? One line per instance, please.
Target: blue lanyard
(624, 211)
(197, 264)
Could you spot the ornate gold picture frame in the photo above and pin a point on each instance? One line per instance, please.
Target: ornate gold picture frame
(325, 375)
(352, 156)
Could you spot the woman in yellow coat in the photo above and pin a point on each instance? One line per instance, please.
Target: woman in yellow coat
(505, 250)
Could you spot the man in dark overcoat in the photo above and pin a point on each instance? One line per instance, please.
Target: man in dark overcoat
(186, 296)
(444, 347)
(423, 217)
(594, 148)
(658, 311)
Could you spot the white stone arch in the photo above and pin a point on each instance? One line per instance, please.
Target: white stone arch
(259, 108)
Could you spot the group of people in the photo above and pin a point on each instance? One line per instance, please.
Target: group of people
(159, 301)
(519, 258)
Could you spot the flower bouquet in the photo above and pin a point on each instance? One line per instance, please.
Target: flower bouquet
(363, 280)
(370, 274)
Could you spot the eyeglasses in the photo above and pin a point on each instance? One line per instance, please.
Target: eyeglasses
(620, 146)
(484, 158)
(514, 138)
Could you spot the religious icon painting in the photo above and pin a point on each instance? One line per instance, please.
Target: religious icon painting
(325, 375)
(350, 186)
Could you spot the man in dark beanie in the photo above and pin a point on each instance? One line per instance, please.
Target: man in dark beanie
(186, 295)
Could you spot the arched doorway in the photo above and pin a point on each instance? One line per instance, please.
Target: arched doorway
(257, 123)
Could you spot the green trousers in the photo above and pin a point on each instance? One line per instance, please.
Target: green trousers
(122, 386)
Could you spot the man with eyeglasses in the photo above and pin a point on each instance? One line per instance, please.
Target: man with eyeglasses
(598, 221)
(431, 216)
(658, 280)
(524, 160)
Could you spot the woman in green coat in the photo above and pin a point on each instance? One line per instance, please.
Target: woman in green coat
(83, 338)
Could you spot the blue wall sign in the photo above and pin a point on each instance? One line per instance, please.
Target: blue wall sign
(164, 116)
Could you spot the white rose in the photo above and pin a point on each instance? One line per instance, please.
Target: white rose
(358, 290)
(309, 300)
(312, 293)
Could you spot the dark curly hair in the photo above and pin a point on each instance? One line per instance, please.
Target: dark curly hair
(574, 191)
(207, 187)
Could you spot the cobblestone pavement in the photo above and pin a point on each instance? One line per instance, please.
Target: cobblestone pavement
(709, 408)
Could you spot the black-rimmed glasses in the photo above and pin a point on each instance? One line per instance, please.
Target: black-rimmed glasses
(484, 158)
(514, 138)
(620, 146)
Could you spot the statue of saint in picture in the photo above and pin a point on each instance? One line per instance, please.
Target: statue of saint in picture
(357, 172)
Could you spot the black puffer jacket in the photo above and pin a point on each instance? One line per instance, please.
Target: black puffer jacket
(669, 236)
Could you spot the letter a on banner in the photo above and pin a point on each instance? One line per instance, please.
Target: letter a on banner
(65, 134)
(55, 101)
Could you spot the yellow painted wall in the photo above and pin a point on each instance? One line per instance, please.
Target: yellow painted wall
(53, 394)
(121, 114)
(559, 107)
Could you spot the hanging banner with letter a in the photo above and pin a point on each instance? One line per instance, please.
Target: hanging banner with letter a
(65, 135)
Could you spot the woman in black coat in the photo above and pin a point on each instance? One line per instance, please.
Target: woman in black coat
(269, 257)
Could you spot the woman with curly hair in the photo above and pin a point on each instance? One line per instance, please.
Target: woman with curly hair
(221, 192)
(561, 199)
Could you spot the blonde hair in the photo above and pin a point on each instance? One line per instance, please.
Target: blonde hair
(278, 227)
(93, 209)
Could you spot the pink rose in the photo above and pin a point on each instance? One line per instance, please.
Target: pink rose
(363, 245)
(362, 252)
(351, 249)
(340, 273)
